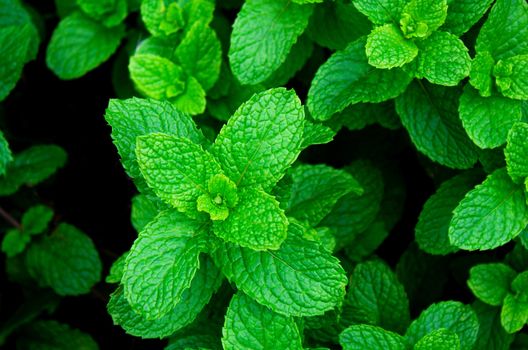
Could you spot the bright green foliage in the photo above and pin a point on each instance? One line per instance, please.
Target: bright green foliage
(266, 329)
(5, 154)
(430, 115)
(387, 48)
(492, 335)
(31, 167)
(450, 315)
(117, 269)
(381, 12)
(66, 261)
(491, 282)
(490, 215)
(144, 210)
(347, 78)
(80, 44)
(516, 152)
(420, 18)
(156, 76)
(440, 339)
(360, 337)
(161, 18)
(463, 14)
(52, 335)
(204, 283)
(221, 196)
(514, 313)
(480, 74)
(263, 34)
(511, 76)
(431, 231)
(487, 120)
(162, 263)
(285, 280)
(376, 297)
(108, 12)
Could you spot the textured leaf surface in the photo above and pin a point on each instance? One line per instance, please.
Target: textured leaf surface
(36, 219)
(192, 99)
(487, 120)
(5, 153)
(66, 261)
(516, 151)
(80, 44)
(491, 282)
(263, 34)
(440, 339)
(360, 337)
(381, 12)
(480, 74)
(432, 229)
(492, 335)
(249, 325)
(430, 115)
(257, 222)
(144, 210)
(162, 263)
(205, 282)
(117, 269)
(262, 139)
(347, 78)
(175, 168)
(511, 76)
(377, 297)
(14, 45)
(299, 279)
(451, 315)
(420, 18)
(387, 48)
(514, 313)
(52, 335)
(463, 14)
(490, 215)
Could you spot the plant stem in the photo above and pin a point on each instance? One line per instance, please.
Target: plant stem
(10, 219)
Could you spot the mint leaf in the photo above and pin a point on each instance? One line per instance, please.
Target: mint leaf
(36, 219)
(144, 210)
(420, 18)
(14, 44)
(79, 44)
(117, 269)
(512, 78)
(491, 282)
(316, 134)
(262, 139)
(432, 229)
(315, 191)
(269, 27)
(516, 152)
(514, 313)
(480, 73)
(205, 282)
(192, 99)
(367, 241)
(443, 59)
(490, 215)
(222, 196)
(175, 168)
(108, 12)
(440, 339)
(249, 325)
(451, 315)
(492, 335)
(52, 335)
(257, 222)
(66, 261)
(387, 48)
(381, 11)
(487, 120)
(285, 280)
(430, 115)
(162, 262)
(377, 297)
(463, 14)
(135, 117)
(5, 153)
(347, 78)
(14, 242)
(360, 337)
(162, 17)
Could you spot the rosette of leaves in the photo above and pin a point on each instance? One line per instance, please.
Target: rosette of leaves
(223, 210)
(181, 59)
(87, 35)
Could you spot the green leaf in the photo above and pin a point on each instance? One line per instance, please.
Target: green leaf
(511, 76)
(387, 48)
(257, 222)
(14, 44)
(377, 297)
(199, 54)
(108, 12)
(440, 339)
(491, 282)
(432, 229)
(144, 210)
(205, 282)
(480, 73)
(315, 191)
(516, 152)
(347, 78)
(430, 115)
(361, 337)
(463, 14)
(514, 313)
(285, 280)
(156, 76)
(222, 196)
(365, 243)
(14, 242)
(487, 120)
(162, 17)
(249, 325)
(162, 262)
(490, 215)
(117, 269)
(443, 59)
(175, 168)
(262, 139)
(420, 18)
(5, 152)
(36, 219)
(263, 34)
(316, 134)
(451, 315)
(80, 44)
(66, 261)
(381, 11)
(505, 32)
(192, 99)
(135, 117)
(491, 335)
(52, 335)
